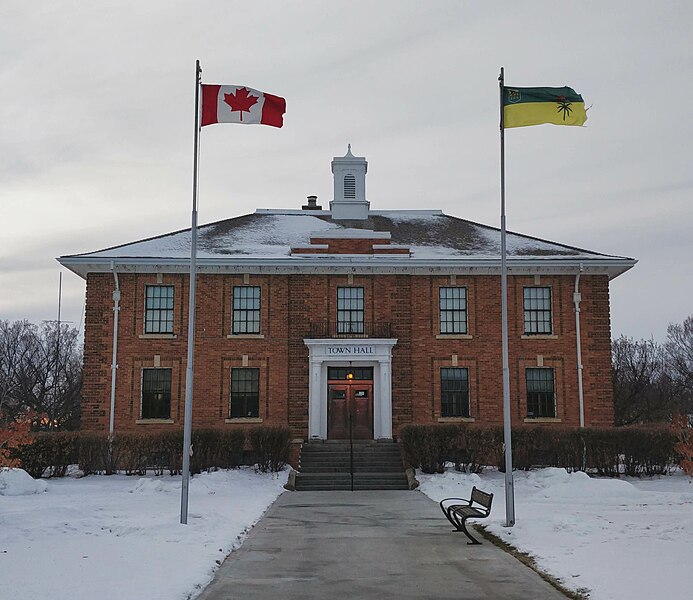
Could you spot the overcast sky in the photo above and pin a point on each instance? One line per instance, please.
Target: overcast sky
(96, 127)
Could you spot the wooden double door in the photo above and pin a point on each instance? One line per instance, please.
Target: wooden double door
(350, 405)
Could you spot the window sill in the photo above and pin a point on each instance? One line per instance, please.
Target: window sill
(244, 420)
(158, 336)
(456, 419)
(542, 419)
(454, 336)
(153, 421)
(246, 336)
(539, 336)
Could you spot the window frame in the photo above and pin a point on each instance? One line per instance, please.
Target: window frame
(539, 317)
(242, 397)
(455, 401)
(241, 324)
(148, 396)
(351, 324)
(153, 325)
(458, 326)
(542, 402)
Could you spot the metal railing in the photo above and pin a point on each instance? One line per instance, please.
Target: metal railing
(349, 330)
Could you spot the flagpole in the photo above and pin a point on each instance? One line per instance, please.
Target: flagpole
(507, 436)
(187, 431)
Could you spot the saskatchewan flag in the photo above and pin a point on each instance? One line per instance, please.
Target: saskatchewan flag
(535, 106)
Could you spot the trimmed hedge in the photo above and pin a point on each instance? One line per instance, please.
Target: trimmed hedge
(50, 454)
(612, 452)
(271, 447)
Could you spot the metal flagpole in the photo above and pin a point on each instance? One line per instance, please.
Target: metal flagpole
(507, 436)
(187, 432)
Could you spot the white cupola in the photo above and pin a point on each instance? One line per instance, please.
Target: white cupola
(349, 187)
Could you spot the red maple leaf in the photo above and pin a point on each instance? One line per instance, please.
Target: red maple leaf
(240, 101)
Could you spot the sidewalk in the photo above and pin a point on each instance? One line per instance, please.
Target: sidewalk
(385, 544)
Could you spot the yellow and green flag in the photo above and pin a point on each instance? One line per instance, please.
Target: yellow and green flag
(534, 106)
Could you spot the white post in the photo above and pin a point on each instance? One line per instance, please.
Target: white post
(385, 400)
(114, 363)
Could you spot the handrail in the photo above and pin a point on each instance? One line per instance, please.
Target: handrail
(351, 451)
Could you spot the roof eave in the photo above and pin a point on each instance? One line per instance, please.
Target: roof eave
(382, 264)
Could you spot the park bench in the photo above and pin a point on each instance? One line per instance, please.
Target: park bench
(477, 507)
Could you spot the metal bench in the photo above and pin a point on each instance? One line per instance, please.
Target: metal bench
(477, 507)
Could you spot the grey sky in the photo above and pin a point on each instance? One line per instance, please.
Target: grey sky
(96, 125)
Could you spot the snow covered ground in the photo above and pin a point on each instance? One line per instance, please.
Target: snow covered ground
(119, 537)
(628, 538)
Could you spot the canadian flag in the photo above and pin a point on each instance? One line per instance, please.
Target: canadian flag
(241, 104)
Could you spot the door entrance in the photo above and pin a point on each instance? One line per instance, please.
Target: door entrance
(350, 404)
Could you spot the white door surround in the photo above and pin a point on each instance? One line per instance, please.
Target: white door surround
(376, 353)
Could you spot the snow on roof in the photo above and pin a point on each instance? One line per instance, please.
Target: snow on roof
(272, 233)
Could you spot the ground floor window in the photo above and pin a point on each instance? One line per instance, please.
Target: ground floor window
(454, 388)
(156, 393)
(245, 393)
(541, 396)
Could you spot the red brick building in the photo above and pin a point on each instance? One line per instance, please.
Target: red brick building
(304, 316)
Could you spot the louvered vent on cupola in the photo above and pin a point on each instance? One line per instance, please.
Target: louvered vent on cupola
(349, 186)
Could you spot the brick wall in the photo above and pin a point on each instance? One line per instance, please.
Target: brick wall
(290, 304)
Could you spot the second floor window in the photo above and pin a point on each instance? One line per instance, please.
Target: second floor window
(350, 310)
(158, 314)
(453, 310)
(537, 310)
(454, 392)
(156, 394)
(246, 309)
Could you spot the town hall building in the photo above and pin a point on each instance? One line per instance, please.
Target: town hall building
(306, 316)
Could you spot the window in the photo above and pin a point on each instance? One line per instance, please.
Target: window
(349, 310)
(349, 186)
(454, 392)
(158, 309)
(246, 309)
(156, 393)
(358, 373)
(453, 310)
(537, 305)
(541, 399)
(245, 393)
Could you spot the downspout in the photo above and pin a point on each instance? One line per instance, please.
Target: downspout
(114, 364)
(576, 300)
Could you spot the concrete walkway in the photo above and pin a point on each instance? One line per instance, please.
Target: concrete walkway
(375, 545)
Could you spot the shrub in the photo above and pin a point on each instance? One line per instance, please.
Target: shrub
(682, 429)
(48, 454)
(93, 454)
(633, 451)
(271, 446)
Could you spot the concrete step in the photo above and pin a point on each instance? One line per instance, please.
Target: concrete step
(374, 468)
(345, 484)
(347, 487)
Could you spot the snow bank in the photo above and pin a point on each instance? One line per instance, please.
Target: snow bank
(17, 482)
(119, 537)
(619, 538)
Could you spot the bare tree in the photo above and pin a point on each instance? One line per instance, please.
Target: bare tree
(679, 352)
(642, 385)
(41, 372)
